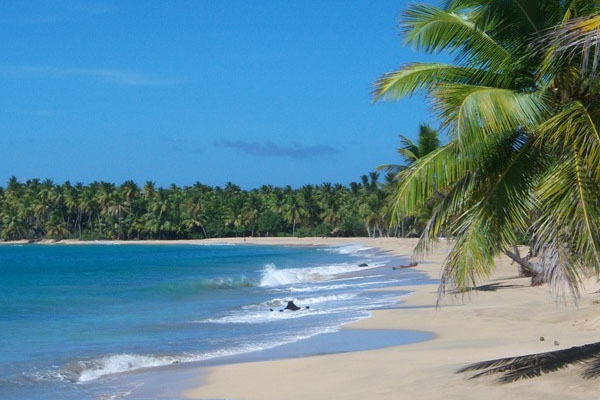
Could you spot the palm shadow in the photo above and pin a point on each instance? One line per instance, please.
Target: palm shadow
(512, 369)
(493, 287)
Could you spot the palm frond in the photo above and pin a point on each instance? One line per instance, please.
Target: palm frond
(419, 181)
(414, 77)
(432, 29)
(455, 200)
(408, 150)
(459, 5)
(575, 127)
(579, 38)
(499, 206)
(474, 112)
(394, 169)
(567, 233)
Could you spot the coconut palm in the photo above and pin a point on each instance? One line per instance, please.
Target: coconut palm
(427, 142)
(196, 216)
(293, 210)
(410, 152)
(523, 146)
(521, 108)
(251, 212)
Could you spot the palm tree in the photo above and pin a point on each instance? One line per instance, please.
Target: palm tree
(196, 216)
(523, 152)
(13, 226)
(521, 108)
(251, 212)
(293, 210)
(410, 152)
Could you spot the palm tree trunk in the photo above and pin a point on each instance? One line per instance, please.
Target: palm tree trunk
(527, 268)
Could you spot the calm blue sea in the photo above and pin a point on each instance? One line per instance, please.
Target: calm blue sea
(74, 318)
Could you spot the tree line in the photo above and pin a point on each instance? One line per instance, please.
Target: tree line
(42, 209)
(38, 209)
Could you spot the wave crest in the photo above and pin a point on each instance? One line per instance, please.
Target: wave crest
(351, 249)
(273, 276)
(90, 370)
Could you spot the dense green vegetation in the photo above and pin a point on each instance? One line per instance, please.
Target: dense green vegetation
(41, 209)
(521, 108)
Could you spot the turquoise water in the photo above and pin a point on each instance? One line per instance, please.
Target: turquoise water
(73, 319)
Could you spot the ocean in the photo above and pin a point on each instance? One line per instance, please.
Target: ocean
(86, 321)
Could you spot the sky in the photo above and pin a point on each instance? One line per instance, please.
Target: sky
(184, 91)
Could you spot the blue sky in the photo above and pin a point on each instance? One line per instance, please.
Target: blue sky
(253, 92)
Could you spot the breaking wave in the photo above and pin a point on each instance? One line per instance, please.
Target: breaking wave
(351, 249)
(273, 276)
(89, 370)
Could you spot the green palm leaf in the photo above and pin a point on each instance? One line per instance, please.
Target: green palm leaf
(415, 77)
(474, 112)
(498, 207)
(432, 29)
(568, 230)
(574, 126)
(419, 182)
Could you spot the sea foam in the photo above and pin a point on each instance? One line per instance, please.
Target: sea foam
(351, 249)
(273, 276)
(91, 370)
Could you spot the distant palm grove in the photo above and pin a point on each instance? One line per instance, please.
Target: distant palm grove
(41, 209)
(44, 210)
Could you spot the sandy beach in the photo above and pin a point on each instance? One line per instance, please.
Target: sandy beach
(505, 317)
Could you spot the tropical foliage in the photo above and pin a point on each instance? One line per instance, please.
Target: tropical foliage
(41, 209)
(520, 106)
(410, 152)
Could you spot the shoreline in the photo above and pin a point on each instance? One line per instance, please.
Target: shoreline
(506, 317)
(283, 241)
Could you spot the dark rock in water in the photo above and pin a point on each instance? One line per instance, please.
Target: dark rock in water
(363, 265)
(175, 362)
(270, 309)
(291, 306)
(307, 307)
(411, 265)
(280, 310)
